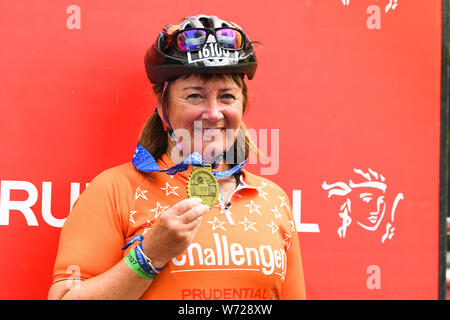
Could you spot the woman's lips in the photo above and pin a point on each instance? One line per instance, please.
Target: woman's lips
(212, 132)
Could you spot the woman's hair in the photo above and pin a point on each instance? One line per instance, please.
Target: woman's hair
(154, 137)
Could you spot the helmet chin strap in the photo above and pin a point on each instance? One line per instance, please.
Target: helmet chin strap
(165, 120)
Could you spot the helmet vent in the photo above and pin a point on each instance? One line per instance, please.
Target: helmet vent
(207, 23)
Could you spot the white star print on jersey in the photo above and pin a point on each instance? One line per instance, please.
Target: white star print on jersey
(170, 190)
(248, 224)
(147, 226)
(276, 213)
(292, 225)
(287, 240)
(253, 207)
(140, 194)
(216, 223)
(159, 209)
(283, 202)
(262, 193)
(132, 213)
(273, 226)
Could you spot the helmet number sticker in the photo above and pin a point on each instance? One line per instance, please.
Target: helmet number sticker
(212, 51)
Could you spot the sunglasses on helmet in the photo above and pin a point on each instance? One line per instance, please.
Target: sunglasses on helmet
(195, 39)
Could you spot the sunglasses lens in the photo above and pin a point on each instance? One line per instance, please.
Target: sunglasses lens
(191, 39)
(229, 38)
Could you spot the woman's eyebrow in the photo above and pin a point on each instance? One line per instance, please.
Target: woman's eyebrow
(194, 88)
(227, 89)
(201, 88)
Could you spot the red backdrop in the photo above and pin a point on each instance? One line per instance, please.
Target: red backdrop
(351, 86)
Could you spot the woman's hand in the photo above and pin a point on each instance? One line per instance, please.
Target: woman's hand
(173, 231)
(171, 234)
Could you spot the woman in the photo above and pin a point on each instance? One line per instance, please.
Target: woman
(173, 224)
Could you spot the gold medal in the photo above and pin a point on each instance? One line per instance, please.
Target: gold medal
(202, 183)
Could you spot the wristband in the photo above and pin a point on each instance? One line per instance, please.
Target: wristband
(148, 261)
(134, 265)
(144, 262)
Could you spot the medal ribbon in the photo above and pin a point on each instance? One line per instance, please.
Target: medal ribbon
(144, 161)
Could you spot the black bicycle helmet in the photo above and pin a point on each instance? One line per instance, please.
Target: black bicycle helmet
(164, 60)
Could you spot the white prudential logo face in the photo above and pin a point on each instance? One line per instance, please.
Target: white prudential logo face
(365, 204)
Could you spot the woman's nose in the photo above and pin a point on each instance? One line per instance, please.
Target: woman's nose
(212, 111)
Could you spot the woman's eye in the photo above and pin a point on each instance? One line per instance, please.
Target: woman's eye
(228, 96)
(194, 97)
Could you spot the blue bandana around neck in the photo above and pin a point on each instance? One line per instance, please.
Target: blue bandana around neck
(144, 161)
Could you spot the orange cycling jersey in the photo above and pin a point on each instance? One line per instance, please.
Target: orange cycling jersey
(246, 250)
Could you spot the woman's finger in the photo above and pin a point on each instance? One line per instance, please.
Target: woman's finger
(194, 213)
(184, 205)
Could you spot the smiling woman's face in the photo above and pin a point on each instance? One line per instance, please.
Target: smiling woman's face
(205, 115)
